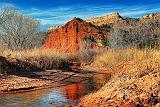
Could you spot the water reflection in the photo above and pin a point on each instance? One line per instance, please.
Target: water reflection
(59, 97)
(99, 80)
(54, 98)
(74, 91)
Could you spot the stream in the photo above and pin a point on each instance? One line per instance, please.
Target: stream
(55, 97)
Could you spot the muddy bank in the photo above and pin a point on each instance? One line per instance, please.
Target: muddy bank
(14, 83)
(47, 79)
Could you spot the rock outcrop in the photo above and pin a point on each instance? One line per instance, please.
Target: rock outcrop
(108, 19)
(70, 37)
(116, 18)
(53, 28)
(152, 16)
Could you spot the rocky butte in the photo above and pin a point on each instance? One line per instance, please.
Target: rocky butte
(71, 37)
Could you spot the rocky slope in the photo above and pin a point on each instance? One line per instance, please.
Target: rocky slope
(151, 17)
(116, 18)
(127, 89)
(71, 37)
(108, 19)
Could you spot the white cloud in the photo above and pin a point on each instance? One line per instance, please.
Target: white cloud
(45, 22)
(51, 22)
(139, 12)
(61, 15)
(5, 4)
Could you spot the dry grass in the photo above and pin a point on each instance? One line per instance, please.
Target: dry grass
(129, 61)
(32, 53)
(43, 58)
(49, 59)
(117, 57)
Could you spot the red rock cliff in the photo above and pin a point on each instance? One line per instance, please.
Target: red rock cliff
(69, 38)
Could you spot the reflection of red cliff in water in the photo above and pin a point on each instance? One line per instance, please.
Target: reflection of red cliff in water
(74, 91)
(78, 90)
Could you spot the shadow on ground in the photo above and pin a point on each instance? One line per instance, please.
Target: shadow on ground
(12, 66)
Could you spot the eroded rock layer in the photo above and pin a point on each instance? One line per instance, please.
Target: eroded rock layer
(70, 37)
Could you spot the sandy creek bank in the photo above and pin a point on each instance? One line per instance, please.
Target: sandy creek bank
(46, 79)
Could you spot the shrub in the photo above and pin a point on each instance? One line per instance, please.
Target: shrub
(119, 38)
(86, 56)
(89, 40)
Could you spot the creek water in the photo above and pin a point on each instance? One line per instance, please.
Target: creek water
(55, 97)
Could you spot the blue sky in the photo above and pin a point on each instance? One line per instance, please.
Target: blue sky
(58, 12)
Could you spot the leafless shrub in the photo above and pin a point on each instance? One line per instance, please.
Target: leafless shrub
(118, 38)
(86, 56)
